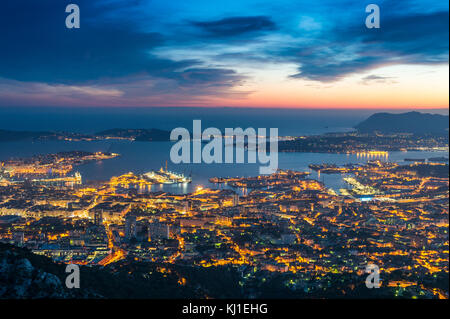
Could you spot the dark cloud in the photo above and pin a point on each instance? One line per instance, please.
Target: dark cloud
(38, 46)
(413, 39)
(332, 70)
(420, 38)
(210, 76)
(378, 79)
(114, 51)
(235, 26)
(108, 60)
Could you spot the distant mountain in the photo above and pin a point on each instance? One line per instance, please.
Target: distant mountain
(142, 135)
(7, 136)
(411, 122)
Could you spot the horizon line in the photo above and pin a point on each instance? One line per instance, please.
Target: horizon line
(227, 107)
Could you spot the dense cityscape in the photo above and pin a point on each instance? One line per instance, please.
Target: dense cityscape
(285, 226)
(224, 159)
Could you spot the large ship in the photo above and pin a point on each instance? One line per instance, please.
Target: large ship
(164, 176)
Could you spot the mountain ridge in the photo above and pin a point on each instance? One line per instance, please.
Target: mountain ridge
(409, 122)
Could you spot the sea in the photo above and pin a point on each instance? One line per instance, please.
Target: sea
(142, 157)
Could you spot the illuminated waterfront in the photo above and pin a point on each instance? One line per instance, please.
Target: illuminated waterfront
(144, 157)
(287, 224)
(313, 137)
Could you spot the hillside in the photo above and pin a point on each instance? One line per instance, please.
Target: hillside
(24, 275)
(411, 122)
(142, 135)
(10, 136)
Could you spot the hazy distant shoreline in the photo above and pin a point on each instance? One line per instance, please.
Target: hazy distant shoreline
(291, 122)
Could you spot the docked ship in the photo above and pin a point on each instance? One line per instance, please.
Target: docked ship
(164, 176)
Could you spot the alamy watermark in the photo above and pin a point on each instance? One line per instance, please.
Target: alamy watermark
(373, 19)
(73, 279)
(73, 19)
(253, 141)
(373, 279)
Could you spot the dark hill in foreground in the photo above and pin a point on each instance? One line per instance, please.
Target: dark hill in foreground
(24, 275)
(411, 122)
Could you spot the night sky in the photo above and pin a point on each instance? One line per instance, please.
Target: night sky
(255, 53)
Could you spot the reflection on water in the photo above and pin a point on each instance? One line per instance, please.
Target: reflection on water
(373, 155)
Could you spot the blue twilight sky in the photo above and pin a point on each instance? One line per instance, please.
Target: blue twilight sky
(224, 53)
